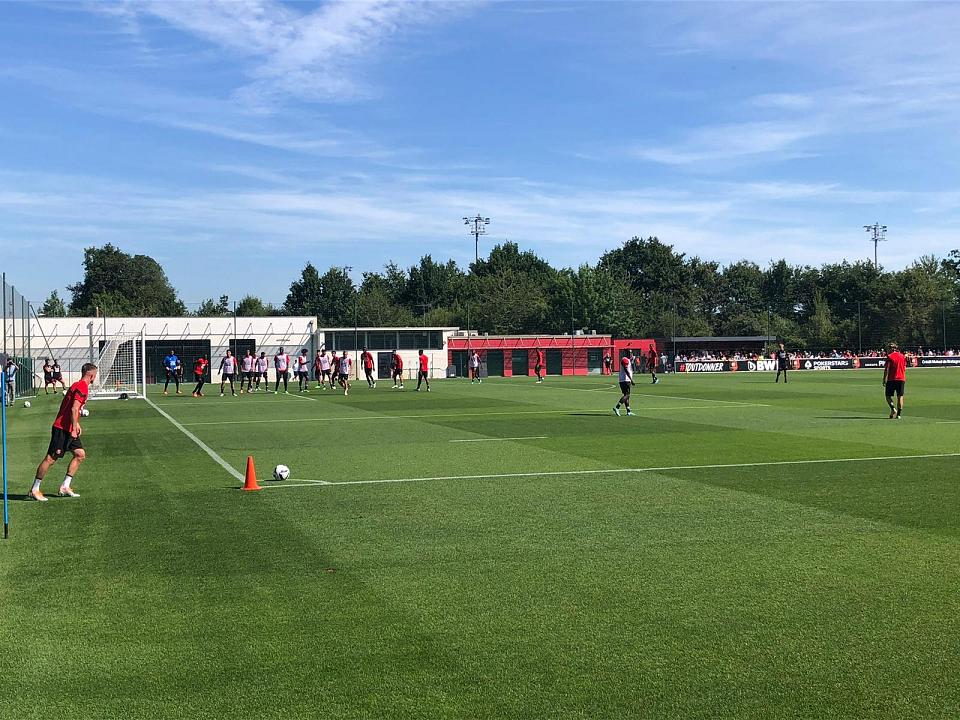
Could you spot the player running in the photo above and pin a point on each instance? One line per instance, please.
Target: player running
(396, 368)
(652, 361)
(303, 370)
(281, 363)
(326, 371)
(199, 375)
(475, 367)
(65, 435)
(366, 359)
(783, 362)
(171, 366)
(228, 371)
(626, 383)
(246, 371)
(894, 378)
(538, 365)
(343, 377)
(423, 372)
(260, 371)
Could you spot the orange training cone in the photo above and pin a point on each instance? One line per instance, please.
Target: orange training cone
(250, 481)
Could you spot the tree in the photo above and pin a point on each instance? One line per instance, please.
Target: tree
(53, 306)
(251, 306)
(330, 297)
(214, 308)
(121, 284)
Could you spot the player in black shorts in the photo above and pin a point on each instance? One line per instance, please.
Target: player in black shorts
(626, 383)
(783, 361)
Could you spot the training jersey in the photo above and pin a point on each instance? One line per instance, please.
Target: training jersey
(11, 372)
(246, 363)
(345, 365)
(56, 368)
(317, 363)
(475, 360)
(200, 366)
(652, 360)
(48, 369)
(303, 363)
(896, 366)
(324, 362)
(229, 365)
(397, 362)
(170, 362)
(424, 363)
(626, 369)
(78, 391)
(540, 358)
(367, 359)
(782, 358)
(281, 361)
(261, 364)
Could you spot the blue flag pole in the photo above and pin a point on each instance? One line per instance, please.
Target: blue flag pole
(3, 441)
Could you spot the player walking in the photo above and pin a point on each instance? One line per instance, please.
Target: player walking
(171, 364)
(65, 435)
(652, 366)
(228, 371)
(344, 374)
(318, 369)
(396, 366)
(199, 375)
(475, 367)
(303, 370)
(783, 361)
(246, 369)
(366, 359)
(326, 370)
(281, 363)
(10, 374)
(538, 365)
(894, 378)
(626, 382)
(423, 372)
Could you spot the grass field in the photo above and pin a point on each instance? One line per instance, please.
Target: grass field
(738, 549)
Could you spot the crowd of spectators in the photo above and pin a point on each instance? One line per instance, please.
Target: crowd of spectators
(720, 355)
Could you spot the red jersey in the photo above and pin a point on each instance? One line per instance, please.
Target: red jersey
(397, 362)
(200, 366)
(367, 360)
(896, 366)
(539, 357)
(652, 359)
(78, 391)
(424, 363)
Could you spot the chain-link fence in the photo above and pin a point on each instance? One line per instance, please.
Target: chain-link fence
(17, 341)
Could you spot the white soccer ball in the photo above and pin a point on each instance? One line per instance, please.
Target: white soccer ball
(84, 412)
(26, 403)
(63, 392)
(281, 472)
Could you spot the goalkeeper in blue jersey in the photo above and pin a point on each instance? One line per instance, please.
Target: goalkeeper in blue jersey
(174, 370)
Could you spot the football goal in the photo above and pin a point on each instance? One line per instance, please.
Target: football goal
(122, 367)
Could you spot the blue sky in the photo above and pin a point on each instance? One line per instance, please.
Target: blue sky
(236, 141)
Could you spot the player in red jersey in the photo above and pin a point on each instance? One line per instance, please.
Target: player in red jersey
(65, 436)
(199, 375)
(894, 378)
(538, 364)
(366, 359)
(397, 364)
(626, 382)
(652, 365)
(424, 370)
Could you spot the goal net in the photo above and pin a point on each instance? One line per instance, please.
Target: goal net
(120, 367)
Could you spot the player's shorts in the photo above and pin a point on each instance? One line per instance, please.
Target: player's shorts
(397, 372)
(228, 377)
(283, 374)
(625, 388)
(48, 378)
(781, 366)
(170, 373)
(422, 374)
(537, 369)
(61, 442)
(895, 387)
(303, 374)
(58, 377)
(368, 371)
(198, 377)
(248, 374)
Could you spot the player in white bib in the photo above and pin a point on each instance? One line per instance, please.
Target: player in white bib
(228, 371)
(246, 368)
(303, 370)
(344, 375)
(281, 363)
(260, 371)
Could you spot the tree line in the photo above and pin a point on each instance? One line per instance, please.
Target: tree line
(644, 288)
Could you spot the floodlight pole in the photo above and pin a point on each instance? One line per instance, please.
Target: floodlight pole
(878, 234)
(478, 228)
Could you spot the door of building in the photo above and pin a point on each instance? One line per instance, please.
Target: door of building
(495, 363)
(383, 365)
(521, 362)
(554, 362)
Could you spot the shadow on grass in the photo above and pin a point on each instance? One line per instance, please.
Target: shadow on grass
(851, 417)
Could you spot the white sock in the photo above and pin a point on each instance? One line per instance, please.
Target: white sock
(36, 485)
(67, 479)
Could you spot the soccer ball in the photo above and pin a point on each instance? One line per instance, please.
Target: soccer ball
(26, 403)
(63, 392)
(281, 472)
(84, 412)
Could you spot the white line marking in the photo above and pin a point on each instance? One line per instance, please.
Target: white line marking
(666, 468)
(947, 422)
(497, 439)
(202, 445)
(669, 397)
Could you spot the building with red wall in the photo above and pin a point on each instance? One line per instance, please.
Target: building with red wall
(509, 355)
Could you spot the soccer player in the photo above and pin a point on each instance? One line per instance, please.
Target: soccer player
(48, 376)
(783, 361)
(608, 364)
(171, 363)
(10, 374)
(326, 370)
(894, 378)
(58, 376)
(344, 374)
(538, 365)
(366, 358)
(303, 370)
(261, 372)
(652, 366)
(396, 366)
(626, 383)
(423, 372)
(318, 369)
(199, 375)
(228, 371)
(246, 369)
(475, 367)
(65, 436)
(281, 363)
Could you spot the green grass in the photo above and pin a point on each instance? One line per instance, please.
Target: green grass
(821, 590)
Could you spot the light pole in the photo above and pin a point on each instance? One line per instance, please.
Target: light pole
(878, 234)
(477, 228)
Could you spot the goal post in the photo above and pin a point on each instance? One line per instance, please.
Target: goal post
(122, 367)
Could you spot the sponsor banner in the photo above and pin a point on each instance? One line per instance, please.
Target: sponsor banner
(826, 364)
(706, 366)
(938, 361)
(872, 363)
(766, 365)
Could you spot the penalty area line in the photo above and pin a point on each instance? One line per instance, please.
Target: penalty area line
(621, 471)
(498, 439)
(200, 443)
